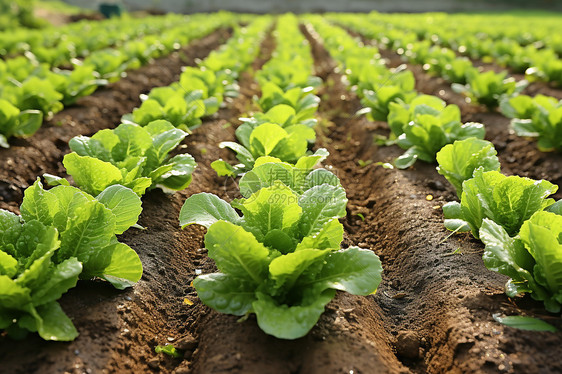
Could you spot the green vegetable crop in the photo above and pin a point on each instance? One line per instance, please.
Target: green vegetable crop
(281, 259)
(134, 156)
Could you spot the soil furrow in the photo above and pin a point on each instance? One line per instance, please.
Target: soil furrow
(436, 296)
(43, 152)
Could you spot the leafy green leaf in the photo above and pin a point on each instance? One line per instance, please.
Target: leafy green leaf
(354, 270)
(205, 209)
(168, 349)
(237, 252)
(91, 174)
(458, 161)
(275, 207)
(54, 324)
(321, 204)
(226, 293)
(524, 323)
(124, 204)
(118, 264)
(289, 322)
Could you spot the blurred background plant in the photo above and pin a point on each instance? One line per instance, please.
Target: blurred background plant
(17, 13)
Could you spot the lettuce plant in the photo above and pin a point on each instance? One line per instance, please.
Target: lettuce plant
(458, 161)
(181, 109)
(260, 136)
(489, 88)
(456, 70)
(281, 259)
(134, 156)
(430, 130)
(532, 260)
(31, 282)
(34, 94)
(401, 114)
(538, 117)
(526, 107)
(208, 82)
(81, 81)
(14, 122)
(508, 201)
(302, 100)
(63, 234)
(381, 90)
(87, 228)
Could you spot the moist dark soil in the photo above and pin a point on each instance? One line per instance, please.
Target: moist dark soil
(432, 312)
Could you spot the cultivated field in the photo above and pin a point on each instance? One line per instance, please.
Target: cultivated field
(225, 193)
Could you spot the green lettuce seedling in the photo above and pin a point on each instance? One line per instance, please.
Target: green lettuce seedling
(289, 143)
(134, 156)
(181, 109)
(301, 100)
(280, 260)
(401, 114)
(87, 228)
(508, 201)
(489, 88)
(31, 281)
(430, 131)
(532, 260)
(382, 90)
(458, 161)
(538, 117)
(14, 122)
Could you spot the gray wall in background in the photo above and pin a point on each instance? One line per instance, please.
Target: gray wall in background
(278, 6)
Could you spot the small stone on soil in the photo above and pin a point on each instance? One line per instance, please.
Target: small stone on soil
(154, 363)
(187, 343)
(408, 344)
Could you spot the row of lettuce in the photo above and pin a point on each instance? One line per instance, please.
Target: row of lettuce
(535, 60)
(281, 259)
(520, 226)
(537, 56)
(514, 217)
(31, 88)
(57, 46)
(541, 118)
(67, 233)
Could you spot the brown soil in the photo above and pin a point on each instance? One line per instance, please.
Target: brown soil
(53, 17)
(432, 312)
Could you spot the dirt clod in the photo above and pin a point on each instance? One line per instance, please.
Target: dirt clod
(408, 344)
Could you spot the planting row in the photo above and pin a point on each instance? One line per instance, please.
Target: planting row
(29, 91)
(281, 259)
(66, 233)
(543, 116)
(534, 59)
(431, 131)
